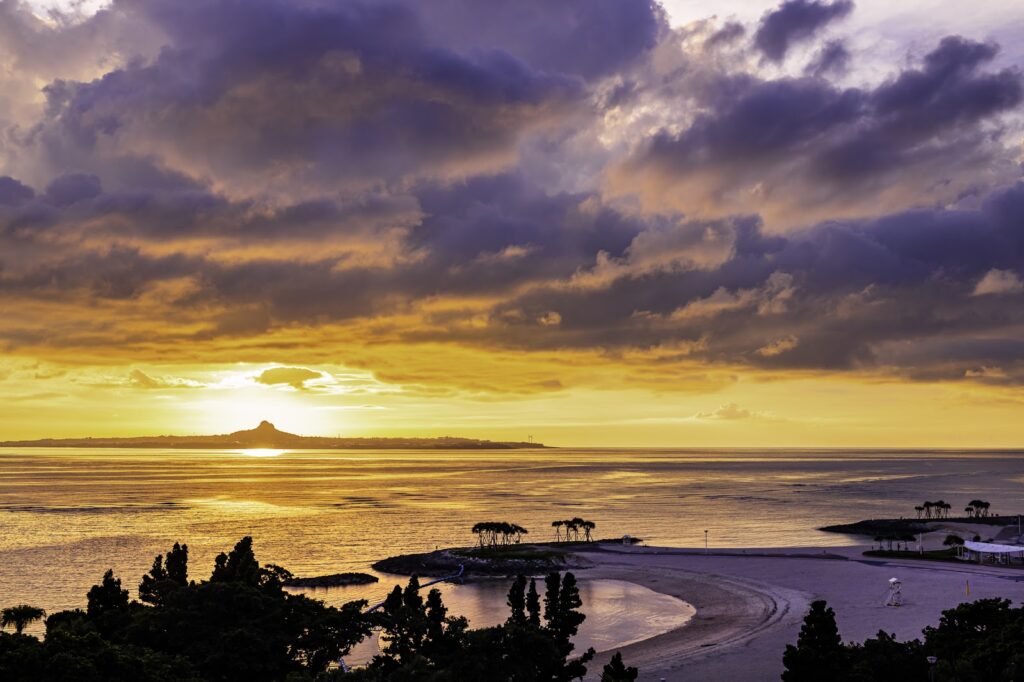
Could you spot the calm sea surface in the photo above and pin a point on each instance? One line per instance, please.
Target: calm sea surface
(66, 515)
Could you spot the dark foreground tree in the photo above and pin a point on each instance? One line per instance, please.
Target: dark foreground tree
(242, 625)
(974, 642)
(422, 642)
(239, 625)
(165, 577)
(818, 654)
(616, 671)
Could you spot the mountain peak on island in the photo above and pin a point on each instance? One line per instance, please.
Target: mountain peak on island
(266, 435)
(264, 427)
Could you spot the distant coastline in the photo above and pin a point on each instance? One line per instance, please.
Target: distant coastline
(267, 436)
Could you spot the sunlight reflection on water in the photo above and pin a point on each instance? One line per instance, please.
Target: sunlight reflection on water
(66, 515)
(262, 452)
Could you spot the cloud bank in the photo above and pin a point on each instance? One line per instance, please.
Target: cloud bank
(216, 178)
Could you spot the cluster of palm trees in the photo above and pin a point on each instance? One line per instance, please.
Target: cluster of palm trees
(495, 533)
(977, 508)
(933, 510)
(940, 509)
(573, 527)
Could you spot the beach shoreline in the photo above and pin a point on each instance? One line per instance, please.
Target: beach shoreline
(750, 603)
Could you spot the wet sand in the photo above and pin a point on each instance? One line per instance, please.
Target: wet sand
(750, 603)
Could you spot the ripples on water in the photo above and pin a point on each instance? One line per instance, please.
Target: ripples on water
(67, 515)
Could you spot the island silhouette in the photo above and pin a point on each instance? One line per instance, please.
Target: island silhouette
(266, 435)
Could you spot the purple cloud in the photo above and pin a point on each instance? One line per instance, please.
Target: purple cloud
(14, 193)
(795, 21)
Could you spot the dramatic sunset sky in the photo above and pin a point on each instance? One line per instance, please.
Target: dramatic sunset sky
(597, 222)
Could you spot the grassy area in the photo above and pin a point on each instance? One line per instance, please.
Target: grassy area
(529, 552)
(930, 555)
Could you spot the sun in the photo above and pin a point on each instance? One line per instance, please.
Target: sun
(245, 407)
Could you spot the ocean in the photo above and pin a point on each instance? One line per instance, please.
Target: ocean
(66, 515)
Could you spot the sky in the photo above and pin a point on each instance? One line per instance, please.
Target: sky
(592, 222)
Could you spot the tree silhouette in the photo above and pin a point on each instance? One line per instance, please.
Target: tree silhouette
(239, 565)
(587, 527)
(557, 525)
(490, 532)
(20, 616)
(616, 671)
(533, 603)
(107, 597)
(818, 654)
(517, 600)
(165, 577)
(573, 527)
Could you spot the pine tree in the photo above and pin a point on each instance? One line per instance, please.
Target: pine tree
(239, 565)
(176, 564)
(106, 597)
(819, 653)
(533, 603)
(517, 600)
(165, 576)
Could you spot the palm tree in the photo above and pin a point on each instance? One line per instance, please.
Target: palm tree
(557, 525)
(20, 616)
(587, 527)
(579, 526)
(479, 530)
(928, 509)
(919, 509)
(571, 529)
(520, 532)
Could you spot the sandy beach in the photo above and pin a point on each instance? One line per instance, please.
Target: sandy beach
(750, 603)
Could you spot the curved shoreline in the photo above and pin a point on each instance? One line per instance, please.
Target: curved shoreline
(729, 612)
(750, 603)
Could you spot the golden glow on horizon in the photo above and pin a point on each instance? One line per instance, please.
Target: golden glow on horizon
(585, 404)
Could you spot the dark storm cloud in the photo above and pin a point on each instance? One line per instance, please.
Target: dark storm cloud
(283, 166)
(374, 92)
(806, 136)
(907, 117)
(795, 21)
(587, 38)
(72, 188)
(483, 236)
(832, 58)
(843, 295)
(14, 193)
